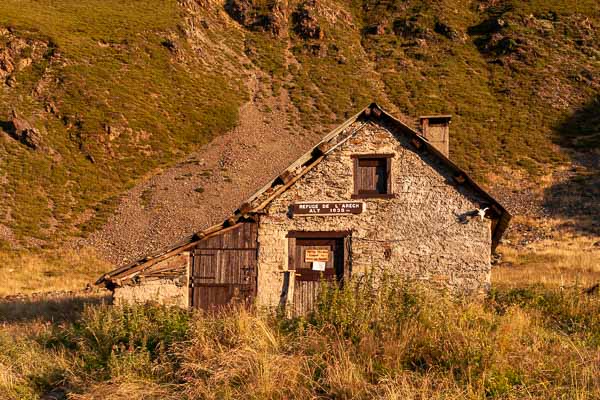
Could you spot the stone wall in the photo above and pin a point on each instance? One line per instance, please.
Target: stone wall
(420, 226)
(173, 292)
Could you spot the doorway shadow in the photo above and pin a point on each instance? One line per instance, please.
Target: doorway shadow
(575, 196)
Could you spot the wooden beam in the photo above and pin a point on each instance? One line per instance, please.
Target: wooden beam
(323, 148)
(231, 220)
(245, 207)
(318, 235)
(208, 233)
(283, 188)
(285, 177)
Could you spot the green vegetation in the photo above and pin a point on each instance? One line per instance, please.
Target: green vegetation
(504, 70)
(119, 89)
(389, 340)
(122, 106)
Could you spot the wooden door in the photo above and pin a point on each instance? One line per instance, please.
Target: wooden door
(223, 269)
(309, 277)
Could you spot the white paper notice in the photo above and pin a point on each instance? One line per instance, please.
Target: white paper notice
(318, 265)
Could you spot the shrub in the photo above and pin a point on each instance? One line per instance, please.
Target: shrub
(118, 340)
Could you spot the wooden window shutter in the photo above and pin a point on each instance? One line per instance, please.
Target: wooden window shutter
(356, 177)
(372, 175)
(388, 169)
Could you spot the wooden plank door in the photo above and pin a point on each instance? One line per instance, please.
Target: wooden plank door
(308, 279)
(223, 269)
(222, 277)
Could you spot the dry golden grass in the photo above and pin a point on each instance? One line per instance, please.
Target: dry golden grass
(26, 362)
(403, 343)
(536, 336)
(136, 390)
(564, 260)
(30, 272)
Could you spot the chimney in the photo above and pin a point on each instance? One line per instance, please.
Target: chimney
(436, 129)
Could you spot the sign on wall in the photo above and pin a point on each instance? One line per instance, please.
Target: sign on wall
(316, 255)
(328, 208)
(319, 266)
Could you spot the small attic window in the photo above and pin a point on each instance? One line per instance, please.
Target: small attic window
(372, 176)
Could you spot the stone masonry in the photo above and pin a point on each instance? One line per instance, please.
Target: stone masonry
(425, 226)
(172, 292)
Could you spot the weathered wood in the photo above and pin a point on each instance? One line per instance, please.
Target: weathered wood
(373, 155)
(291, 252)
(372, 175)
(318, 234)
(286, 176)
(231, 221)
(224, 268)
(283, 188)
(388, 176)
(308, 282)
(245, 208)
(460, 179)
(323, 148)
(355, 175)
(131, 272)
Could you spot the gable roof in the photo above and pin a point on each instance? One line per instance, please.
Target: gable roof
(276, 186)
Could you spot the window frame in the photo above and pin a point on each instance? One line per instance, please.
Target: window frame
(389, 189)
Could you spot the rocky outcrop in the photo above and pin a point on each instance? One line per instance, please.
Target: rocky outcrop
(378, 28)
(21, 130)
(18, 54)
(255, 16)
(411, 28)
(305, 21)
(447, 31)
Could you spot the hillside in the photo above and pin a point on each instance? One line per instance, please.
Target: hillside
(98, 96)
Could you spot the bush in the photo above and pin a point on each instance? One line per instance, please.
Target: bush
(119, 340)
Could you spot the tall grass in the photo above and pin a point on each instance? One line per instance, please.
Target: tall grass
(386, 339)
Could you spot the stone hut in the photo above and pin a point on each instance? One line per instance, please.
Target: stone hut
(373, 195)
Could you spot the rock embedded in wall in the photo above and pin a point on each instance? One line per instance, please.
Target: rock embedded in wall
(172, 292)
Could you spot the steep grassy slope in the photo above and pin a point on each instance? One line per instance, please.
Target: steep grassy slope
(117, 89)
(507, 71)
(113, 96)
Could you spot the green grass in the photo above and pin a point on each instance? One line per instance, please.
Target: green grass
(116, 74)
(499, 116)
